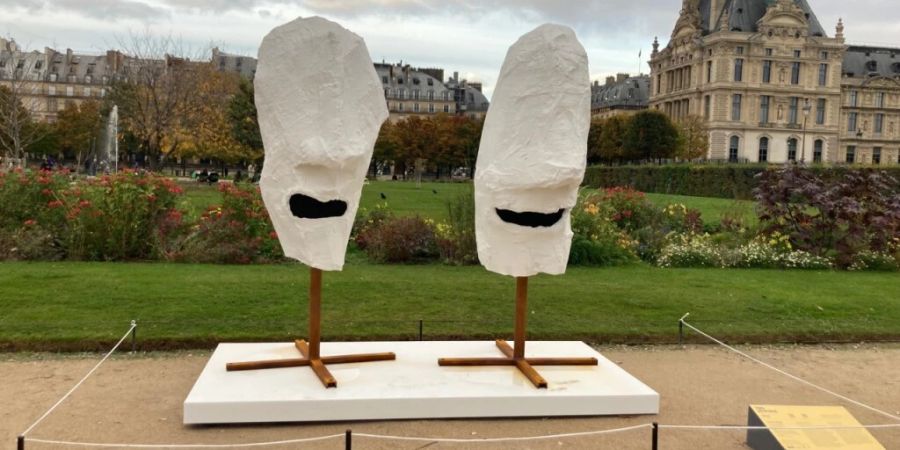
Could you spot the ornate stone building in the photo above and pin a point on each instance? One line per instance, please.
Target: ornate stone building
(413, 91)
(47, 81)
(774, 87)
(622, 94)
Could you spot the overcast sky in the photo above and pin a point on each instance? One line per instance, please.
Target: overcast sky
(469, 36)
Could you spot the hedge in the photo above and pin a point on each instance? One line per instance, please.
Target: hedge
(723, 181)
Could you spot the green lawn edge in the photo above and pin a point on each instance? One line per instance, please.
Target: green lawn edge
(87, 306)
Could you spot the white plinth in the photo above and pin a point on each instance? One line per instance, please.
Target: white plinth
(412, 387)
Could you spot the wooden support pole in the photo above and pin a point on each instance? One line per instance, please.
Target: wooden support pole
(521, 317)
(315, 312)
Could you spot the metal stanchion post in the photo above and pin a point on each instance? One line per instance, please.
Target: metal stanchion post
(421, 326)
(20, 443)
(655, 436)
(680, 332)
(348, 440)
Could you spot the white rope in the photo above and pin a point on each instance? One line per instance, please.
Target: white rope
(505, 439)
(747, 427)
(793, 377)
(64, 397)
(253, 444)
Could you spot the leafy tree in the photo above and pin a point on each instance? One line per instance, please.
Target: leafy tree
(650, 135)
(610, 145)
(594, 141)
(694, 138)
(77, 128)
(243, 116)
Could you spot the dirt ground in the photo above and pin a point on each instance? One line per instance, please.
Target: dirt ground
(138, 399)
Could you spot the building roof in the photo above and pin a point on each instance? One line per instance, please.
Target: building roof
(743, 15)
(862, 61)
(629, 92)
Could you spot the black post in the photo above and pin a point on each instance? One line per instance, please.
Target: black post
(348, 440)
(680, 332)
(134, 336)
(655, 436)
(421, 326)
(20, 443)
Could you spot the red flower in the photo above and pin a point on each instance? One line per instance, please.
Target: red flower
(626, 213)
(47, 192)
(54, 204)
(273, 235)
(30, 222)
(84, 203)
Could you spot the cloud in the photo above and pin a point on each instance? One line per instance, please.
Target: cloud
(95, 9)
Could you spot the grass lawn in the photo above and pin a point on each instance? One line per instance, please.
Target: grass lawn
(711, 209)
(80, 306)
(430, 199)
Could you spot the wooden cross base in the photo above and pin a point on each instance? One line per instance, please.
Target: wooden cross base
(316, 364)
(310, 351)
(523, 364)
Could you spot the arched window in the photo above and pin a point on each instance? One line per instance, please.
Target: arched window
(792, 149)
(818, 146)
(763, 149)
(733, 149)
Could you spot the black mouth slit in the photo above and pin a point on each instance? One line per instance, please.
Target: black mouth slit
(306, 207)
(530, 219)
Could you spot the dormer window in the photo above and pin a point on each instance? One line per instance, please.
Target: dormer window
(384, 79)
(416, 81)
(431, 82)
(38, 65)
(399, 80)
(872, 66)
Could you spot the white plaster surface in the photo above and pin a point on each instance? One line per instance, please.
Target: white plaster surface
(320, 106)
(533, 152)
(412, 387)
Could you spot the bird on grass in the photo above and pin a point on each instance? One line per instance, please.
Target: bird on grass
(434, 191)
(383, 197)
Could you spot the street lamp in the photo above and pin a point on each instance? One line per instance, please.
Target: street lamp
(807, 108)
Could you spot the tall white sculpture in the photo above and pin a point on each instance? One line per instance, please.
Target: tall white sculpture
(320, 105)
(530, 164)
(533, 155)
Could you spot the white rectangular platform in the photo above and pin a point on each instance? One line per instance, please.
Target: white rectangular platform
(412, 387)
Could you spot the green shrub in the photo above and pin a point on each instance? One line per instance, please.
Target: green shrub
(456, 239)
(402, 240)
(237, 232)
(597, 241)
(732, 181)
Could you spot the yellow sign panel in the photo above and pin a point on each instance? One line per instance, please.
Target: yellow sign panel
(816, 416)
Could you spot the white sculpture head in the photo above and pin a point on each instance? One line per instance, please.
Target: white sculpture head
(533, 154)
(320, 106)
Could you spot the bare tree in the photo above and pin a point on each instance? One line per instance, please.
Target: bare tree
(21, 76)
(159, 89)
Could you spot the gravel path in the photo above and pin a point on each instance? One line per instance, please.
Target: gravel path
(138, 398)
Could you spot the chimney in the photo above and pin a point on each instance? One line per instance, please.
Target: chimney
(456, 77)
(610, 81)
(476, 86)
(620, 77)
(596, 83)
(68, 56)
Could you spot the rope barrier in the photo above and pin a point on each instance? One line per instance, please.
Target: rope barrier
(254, 444)
(749, 427)
(793, 377)
(504, 439)
(77, 385)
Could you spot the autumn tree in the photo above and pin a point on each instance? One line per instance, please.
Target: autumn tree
(694, 138)
(206, 128)
(159, 91)
(77, 128)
